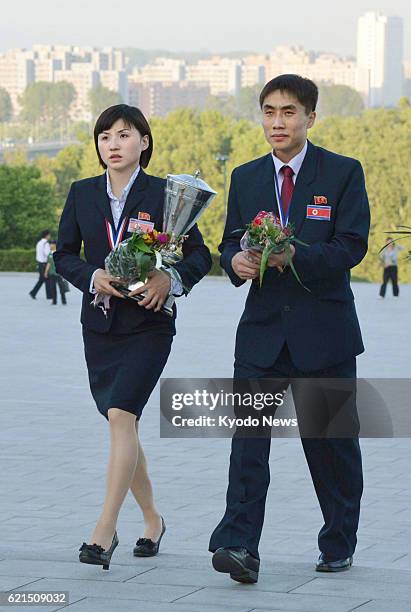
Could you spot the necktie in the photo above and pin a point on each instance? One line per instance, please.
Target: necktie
(287, 188)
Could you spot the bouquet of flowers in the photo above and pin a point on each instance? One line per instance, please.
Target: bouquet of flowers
(266, 234)
(132, 260)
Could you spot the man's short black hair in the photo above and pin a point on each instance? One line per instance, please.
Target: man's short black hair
(131, 116)
(45, 233)
(304, 90)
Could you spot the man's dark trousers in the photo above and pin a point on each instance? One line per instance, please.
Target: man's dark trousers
(390, 274)
(42, 279)
(56, 279)
(334, 463)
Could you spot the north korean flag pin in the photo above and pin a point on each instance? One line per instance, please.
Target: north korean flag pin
(320, 213)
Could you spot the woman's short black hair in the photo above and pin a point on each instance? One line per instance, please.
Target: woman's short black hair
(131, 116)
(304, 90)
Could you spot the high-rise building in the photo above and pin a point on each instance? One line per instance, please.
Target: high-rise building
(83, 78)
(252, 74)
(163, 69)
(380, 58)
(322, 68)
(16, 72)
(115, 80)
(83, 67)
(158, 99)
(223, 75)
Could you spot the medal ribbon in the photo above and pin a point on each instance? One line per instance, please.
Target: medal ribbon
(115, 236)
(114, 239)
(283, 220)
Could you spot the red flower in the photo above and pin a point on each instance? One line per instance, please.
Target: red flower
(162, 238)
(257, 221)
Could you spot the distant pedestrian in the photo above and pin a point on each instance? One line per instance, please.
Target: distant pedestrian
(42, 253)
(389, 261)
(54, 278)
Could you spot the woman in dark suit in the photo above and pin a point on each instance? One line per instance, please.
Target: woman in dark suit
(127, 346)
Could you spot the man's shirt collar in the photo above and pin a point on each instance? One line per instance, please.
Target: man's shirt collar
(295, 163)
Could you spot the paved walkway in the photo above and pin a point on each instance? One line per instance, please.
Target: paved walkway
(54, 446)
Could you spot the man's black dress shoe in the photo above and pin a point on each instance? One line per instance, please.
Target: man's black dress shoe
(333, 566)
(237, 562)
(147, 548)
(96, 555)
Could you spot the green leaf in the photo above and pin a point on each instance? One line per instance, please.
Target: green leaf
(137, 244)
(395, 240)
(264, 260)
(145, 248)
(145, 268)
(300, 242)
(290, 263)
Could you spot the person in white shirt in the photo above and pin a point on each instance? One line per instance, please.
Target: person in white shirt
(42, 253)
(389, 262)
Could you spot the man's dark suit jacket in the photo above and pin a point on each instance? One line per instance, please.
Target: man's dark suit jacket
(83, 220)
(320, 326)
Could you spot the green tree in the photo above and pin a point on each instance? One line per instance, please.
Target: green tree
(90, 165)
(186, 140)
(67, 168)
(381, 140)
(6, 107)
(43, 102)
(27, 206)
(243, 106)
(404, 102)
(339, 100)
(100, 98)
(45, 165)
(15, 157)
(63, 95)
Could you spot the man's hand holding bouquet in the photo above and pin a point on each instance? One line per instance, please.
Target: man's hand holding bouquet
(266, 243)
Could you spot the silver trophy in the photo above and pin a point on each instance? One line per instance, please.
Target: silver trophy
(186, 198)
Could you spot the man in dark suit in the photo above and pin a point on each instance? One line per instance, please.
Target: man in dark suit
(288, 332)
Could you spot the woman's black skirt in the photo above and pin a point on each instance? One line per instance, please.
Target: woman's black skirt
(123, 369)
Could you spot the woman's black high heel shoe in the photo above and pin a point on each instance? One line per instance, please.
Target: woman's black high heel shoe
(147, 548)
(96, 555)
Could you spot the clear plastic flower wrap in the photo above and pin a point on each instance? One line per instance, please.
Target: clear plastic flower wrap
(266, 235)
(132, 260)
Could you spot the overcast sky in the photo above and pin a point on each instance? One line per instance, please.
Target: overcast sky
(183, 25)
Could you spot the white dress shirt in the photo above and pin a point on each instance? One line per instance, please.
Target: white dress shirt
(117, 207)
(117, 204)
(42, 250)
(295, 163)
